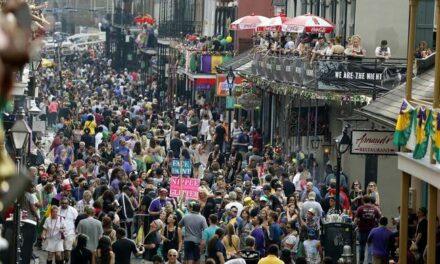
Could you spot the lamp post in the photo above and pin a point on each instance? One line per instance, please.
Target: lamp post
(230, 77)
(342, 143)
(33, 111)
(20, 133)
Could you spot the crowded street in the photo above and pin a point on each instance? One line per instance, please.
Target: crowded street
(219, 132)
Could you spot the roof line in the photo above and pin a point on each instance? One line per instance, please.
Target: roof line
(376, 117)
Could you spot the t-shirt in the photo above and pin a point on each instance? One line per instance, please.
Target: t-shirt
(250, 256)
(258, 234)
(219, 247)
(208, 233)
(275, 233)
(83, 256)
(220, 134)
(270, 259)
(194, 225)
(123, 249)
(91, 228)
(379, 238)
(175, 145)
(368, 216)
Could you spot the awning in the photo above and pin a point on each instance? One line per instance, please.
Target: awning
(384, 110)
(237, 61)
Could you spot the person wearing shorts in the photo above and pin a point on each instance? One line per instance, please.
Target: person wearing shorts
(68, 214)
(194, 224)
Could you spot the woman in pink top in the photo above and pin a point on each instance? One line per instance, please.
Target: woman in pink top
(52, 112)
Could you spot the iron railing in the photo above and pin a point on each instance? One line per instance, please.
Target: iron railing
(336, 74)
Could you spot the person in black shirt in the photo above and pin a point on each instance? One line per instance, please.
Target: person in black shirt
(220, 133)
(181, 127)
(176, 144)
(80, 254)
(123, 248)
(288, 186)
(249, 254)
(87, 138)
(216, 249)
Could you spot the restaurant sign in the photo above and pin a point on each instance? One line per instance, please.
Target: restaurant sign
(368, 142)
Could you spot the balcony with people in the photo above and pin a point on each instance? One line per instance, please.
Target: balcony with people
(304, 52)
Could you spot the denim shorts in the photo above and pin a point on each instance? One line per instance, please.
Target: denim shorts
(191, 251)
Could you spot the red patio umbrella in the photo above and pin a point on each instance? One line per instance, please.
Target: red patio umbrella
(247, 22)
(273, 24)
(308, 24)
(147, 19)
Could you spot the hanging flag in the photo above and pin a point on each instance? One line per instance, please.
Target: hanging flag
(206, 63)
(215, 61)
(404, 124)
(436, 135)
(194, 63)
(423, 130)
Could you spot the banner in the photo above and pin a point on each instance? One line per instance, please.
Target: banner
(372, 142)
(184, 170)
(354, 75)
(222, 85)
(204, 84)
(189, 186)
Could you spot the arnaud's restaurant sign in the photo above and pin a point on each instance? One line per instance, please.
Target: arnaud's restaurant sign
(372, 142)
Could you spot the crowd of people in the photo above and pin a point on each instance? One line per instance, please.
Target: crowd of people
(101, 189)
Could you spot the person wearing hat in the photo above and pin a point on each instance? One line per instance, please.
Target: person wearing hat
(158, 204)
(309, 204)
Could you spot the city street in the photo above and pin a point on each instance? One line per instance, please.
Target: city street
(272, 131)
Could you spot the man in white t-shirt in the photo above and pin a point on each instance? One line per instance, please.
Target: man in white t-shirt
(68, 214)
(383, 51)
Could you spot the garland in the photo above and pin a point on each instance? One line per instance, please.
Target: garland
(291, 90)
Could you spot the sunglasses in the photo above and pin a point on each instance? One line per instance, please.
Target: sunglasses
(169, 255)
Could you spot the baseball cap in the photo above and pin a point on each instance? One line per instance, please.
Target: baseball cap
(67, 187)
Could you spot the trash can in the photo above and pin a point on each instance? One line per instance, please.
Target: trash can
(335, 236)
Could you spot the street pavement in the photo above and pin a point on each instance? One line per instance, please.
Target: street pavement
(42, 257)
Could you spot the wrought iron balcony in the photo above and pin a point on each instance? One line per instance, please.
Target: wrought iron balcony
(330, 74)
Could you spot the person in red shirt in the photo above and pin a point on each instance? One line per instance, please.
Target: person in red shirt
(98, 117)
(367, 218)
(52, 112)
(257, 140)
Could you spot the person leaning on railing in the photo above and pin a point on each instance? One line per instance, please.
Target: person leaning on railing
(383, 51)
(423, 50)
(355, 51)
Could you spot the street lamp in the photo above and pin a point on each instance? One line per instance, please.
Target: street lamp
(230, 77)
(20, 133)
(33, 111)
(342, 143)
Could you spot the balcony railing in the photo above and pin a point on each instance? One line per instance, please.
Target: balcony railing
(173, 29)
(337, 74)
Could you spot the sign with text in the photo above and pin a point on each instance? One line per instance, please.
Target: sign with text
(189, 186)
(372, 142)
(181, 167)
(204, 84)
(357, 75)
(223, 87)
